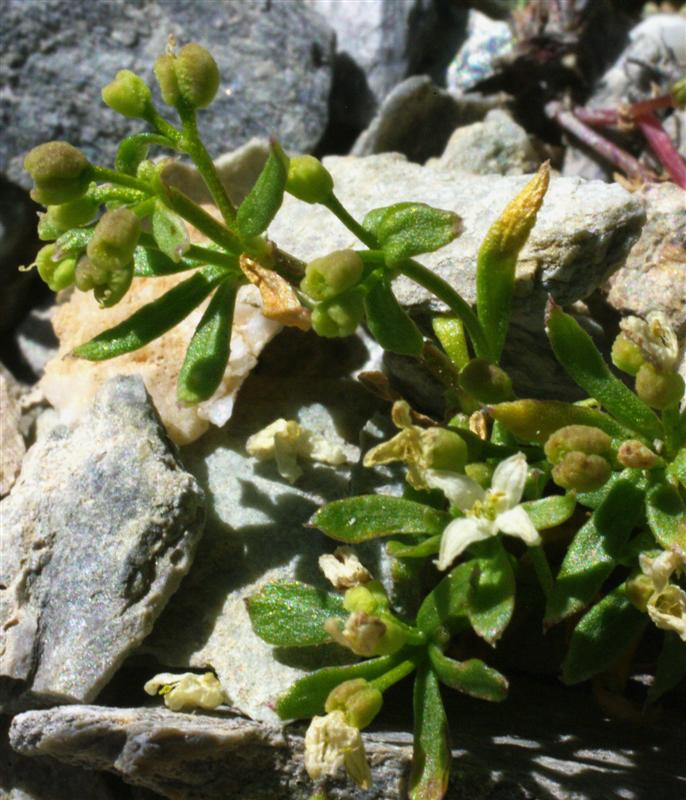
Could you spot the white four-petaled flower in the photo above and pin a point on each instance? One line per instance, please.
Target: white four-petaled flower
(486, 511)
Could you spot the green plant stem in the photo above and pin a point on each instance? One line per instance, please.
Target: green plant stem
(542, 569)
(394, 675)
(144, 208)
(168, 131)
(336, 207)
(120, 179)
(445, 292)
(193, 145)
(120, 194)
(208, 256)
(203, 221)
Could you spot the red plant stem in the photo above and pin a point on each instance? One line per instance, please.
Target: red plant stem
(663, 147)
(604, 147)
(597, 116)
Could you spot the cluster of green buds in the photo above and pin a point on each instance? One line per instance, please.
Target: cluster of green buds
(333, 282)
(579, 454)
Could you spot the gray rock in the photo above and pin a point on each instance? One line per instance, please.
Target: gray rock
(255, 531)
(45, 778)
(275, 61)
(507, 751)
(488, 42)
(387, 41)
(495, 146)
(583, 231)
(97, 534)
(417, 118)
(654, 275)
(12, 446)
(654, 55)
(35, 339)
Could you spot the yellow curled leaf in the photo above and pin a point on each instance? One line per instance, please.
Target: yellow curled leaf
(279, 300)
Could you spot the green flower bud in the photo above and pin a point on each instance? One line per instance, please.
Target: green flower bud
(481, 472)
(443, 449)
(581, 472)
(659, 389)
(108, 286)
(357, 699)
(329, 276)
(639, 590)
(678, 92)
(487, 382)
(60, 173)
(72, 215)
(128, 94)
(369, 597)
(309, 180)
(57, 274)
(192, 76)
(338, 317)
(636, 455)
(579, 438)
(114, 240)
(626, 355)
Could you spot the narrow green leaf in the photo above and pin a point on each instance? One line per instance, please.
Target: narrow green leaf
(388, 322)
(671, 667)
(208, 352)
(471, 677)
(450, 333)
(357, 519)
(307, 696)
(444, 610)
(497, 259)
(153, 319)
(492, 592)
(73, 242)
(595, 550)
(264, 199)
(428, 547)
(583, 363)
(678, 466)
(602, 636)
(149, 263)
(536, 420)
(404, 230)
(170, 232)
(549, 512)
(431, 754)
(667, 515)
(293, 614)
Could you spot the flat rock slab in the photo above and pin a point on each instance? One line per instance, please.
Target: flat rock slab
(583, 232)
(96, 535)
(546, 742)
(275, 60)
(255, 528)
(654, 276)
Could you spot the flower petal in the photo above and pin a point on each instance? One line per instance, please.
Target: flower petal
(516, 522)
(509, 478)
(459, 534)
(460, 490)
(667, 609)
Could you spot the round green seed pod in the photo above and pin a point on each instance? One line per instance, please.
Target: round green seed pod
(581, 472)
(639, 590)
(329, 276)
(166, 78)
(636, 455)
(66, 216)
(308, 179)
(114, 240)
(486, 382)
(658, 389)
(87, 275)
(60, 173)
(444, 449)
(128, 94)
(357, 699)
(339, 317)
(197, 75)
(57, 275)
(626, 355)
(579, 438)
